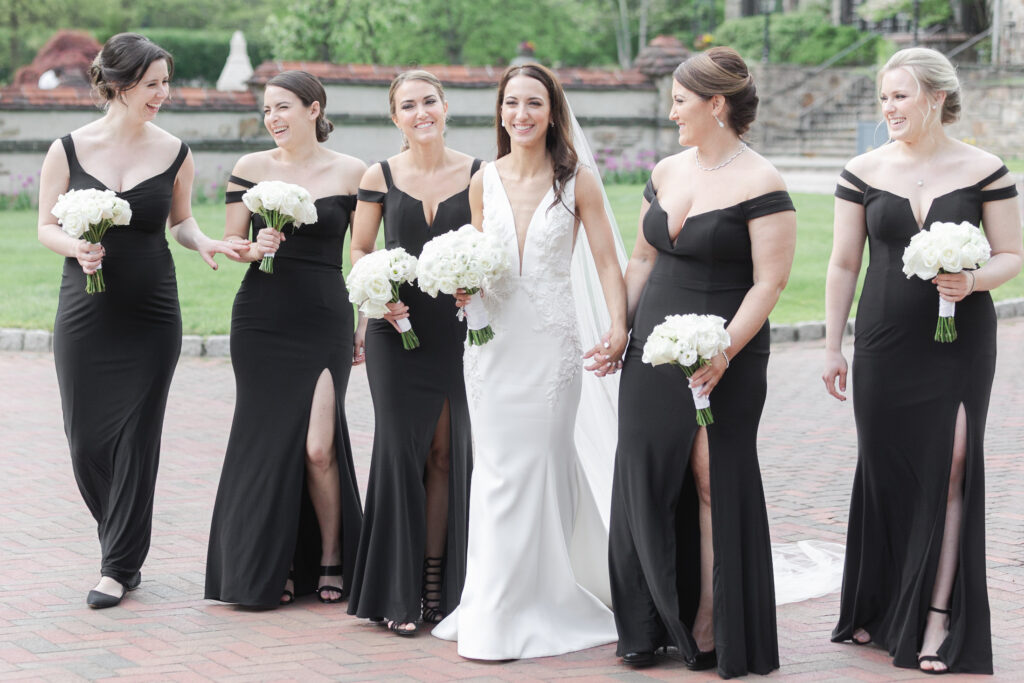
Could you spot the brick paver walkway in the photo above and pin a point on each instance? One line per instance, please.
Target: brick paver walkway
(165, 631)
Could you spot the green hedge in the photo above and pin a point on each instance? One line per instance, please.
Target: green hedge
(796, 38)
(200, 54)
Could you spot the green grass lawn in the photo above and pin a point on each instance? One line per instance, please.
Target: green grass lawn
(30, 273)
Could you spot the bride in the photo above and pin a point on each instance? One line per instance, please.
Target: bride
(536, 579)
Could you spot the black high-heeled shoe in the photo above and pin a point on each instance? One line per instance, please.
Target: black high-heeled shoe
(100, 600)
(934, 658)
(702, 661)
(330, 570)
(430, 603)
(287, 596)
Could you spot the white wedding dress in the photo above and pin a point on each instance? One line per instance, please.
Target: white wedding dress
(537, 574)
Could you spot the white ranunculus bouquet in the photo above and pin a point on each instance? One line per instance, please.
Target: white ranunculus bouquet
(464, 259)
(279, 204)
(945, 248)
(373, 284)
(88, 214)
(689, 341)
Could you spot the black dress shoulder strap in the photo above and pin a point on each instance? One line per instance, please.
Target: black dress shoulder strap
(999, 173)
(767, 204)
(235, 196)
(475, 167)
(1000, 192)
(385, 167)
(178, 160)
(69, 148)
(650, 194)
(848, 193)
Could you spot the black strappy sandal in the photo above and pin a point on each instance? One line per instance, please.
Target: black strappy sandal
(934, 658)
(330, 570)
(395, 627)
(287, 596)
(433, 572)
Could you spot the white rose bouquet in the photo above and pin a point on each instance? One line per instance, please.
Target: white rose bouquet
(373, 284)
(945, 248)
(279, 204)
(464, 259)
(89, 214)
(689, 341)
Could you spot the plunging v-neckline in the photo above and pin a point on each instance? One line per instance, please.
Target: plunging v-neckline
(133, 187)
(437, 209)
(520, 251)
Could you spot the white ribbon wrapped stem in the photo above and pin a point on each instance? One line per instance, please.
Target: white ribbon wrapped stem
(701, 402)
(476, 313)
(404, 325)
(946, 308)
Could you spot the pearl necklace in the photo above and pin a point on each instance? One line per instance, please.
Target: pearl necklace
(741, 150)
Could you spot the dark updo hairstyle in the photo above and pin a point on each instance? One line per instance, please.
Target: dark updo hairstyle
(559, 134)
(308, 89)
(123, 62)
(721, 71)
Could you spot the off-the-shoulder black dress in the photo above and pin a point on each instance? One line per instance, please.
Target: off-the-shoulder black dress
(286, 329)
(907, 389)
(654, 543)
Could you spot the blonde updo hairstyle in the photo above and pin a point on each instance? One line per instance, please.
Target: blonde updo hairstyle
(412, 75)
(721, 71)
(933, 73)
(122, 63)
(308, 89)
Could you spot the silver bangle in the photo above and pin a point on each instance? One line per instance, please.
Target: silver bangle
(726, 360)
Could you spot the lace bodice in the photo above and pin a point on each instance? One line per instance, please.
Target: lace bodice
(541, 281)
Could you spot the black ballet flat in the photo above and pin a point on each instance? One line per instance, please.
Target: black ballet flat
(638, 660)
(330, 570)
(100, 600)
(702, 661)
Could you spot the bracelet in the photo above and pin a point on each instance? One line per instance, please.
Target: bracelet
(974, 281)
(726, 360)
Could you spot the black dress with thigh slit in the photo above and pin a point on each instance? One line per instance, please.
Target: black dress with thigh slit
(409, 390)
(115, 354)
(286, 329)
(654, 544)
(907, 390)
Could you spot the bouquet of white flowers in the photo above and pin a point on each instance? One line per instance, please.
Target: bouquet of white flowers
(88, 214)
(945, 248)
(279, 204)
(374, 281)
(689, 341)
(463, 259)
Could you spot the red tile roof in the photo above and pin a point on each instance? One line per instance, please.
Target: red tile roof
(206, 99)
(465, 76)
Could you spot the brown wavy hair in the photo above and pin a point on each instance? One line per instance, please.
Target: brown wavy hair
(122, 63)
(559, 134)
(308, 89)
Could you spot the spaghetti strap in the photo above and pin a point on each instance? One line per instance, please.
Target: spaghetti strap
(386, 169)
(475, 167)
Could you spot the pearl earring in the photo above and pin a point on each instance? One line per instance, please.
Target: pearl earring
(720, 124)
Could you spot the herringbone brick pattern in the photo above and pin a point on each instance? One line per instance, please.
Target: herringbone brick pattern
(166, 631)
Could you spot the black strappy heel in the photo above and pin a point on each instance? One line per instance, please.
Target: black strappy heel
(433, 572)
(934, 658)
(330, 570)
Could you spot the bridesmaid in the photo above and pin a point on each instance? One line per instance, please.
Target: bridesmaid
(412, 552)
(116, 351)
(286, 521)
(915, 554)
(690, 554)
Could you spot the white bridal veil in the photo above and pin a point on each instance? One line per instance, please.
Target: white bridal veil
(803, 570)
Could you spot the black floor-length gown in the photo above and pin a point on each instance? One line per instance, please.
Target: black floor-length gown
(115, 354)
(409, 390)
(654, 543)
(286, 329)
(907, 389)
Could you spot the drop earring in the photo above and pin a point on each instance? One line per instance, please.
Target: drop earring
(720, 124)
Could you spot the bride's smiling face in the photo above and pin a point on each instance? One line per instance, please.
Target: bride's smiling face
(526, 110)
